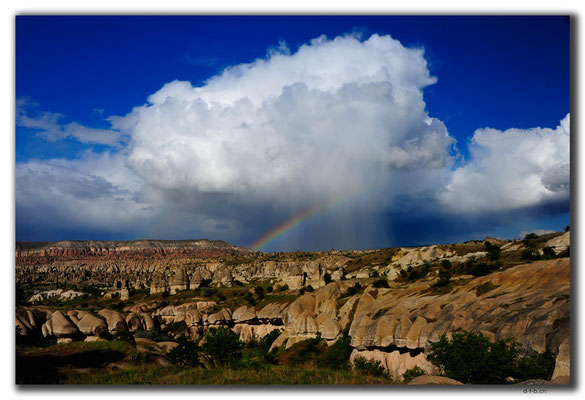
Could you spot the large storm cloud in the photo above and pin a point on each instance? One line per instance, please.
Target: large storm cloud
(265, 140)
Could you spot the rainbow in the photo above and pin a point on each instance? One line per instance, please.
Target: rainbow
(298, 218)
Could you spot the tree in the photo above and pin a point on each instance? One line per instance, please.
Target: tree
(223, 346)
(327, 277)
(471, 358)
(185, 354)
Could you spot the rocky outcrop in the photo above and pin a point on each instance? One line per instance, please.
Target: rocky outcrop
(433, 380)
(560, 243)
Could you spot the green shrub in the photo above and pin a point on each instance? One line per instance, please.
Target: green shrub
(337, 355)
(354, 289)
(185, 354)
(283, 288)
(381, 283)
(482, 269)
(266, 341)
(306, 351)
(259, 291)
(444, 277)
(327, 277)
(269, 289)
(208, 292)
(471, 358)
(223, 346)
(530, 236)
(369, 367)
(549, 252)
(165, 294)
(374, 274)
(530, 254)
(484, 288)
(155, 335)
(535, 366)
(302, 291)
(446, 264)
(412, 373)
(125, 336)
(310, 288)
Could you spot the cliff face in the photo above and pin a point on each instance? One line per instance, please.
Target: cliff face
(40, 252)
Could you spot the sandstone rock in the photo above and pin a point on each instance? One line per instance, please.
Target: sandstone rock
(147, 322)
(23, 327)
(328, 326)
(244, 314)
(133, 322)
(94, 339)
(180, 281)
(116, 321)
(433, 380)
(560, 243)
(64, 340)
(563, 360)
(59, 325)
(89, 324)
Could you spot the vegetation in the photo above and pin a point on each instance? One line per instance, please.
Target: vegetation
(222, 346)
(185, 354)
(471, 358)
(412, 373)
(369, 367)
(484, 288)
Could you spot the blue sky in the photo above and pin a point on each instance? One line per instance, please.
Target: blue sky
(73, 74)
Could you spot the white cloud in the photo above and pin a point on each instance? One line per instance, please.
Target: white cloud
(273, 137)
(512, 169)
(48, 125)
(336, 115)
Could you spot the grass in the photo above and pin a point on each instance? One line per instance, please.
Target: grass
(272, 375)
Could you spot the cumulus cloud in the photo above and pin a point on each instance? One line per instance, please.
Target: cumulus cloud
(334, 116)
(510, 169)
(261, 141)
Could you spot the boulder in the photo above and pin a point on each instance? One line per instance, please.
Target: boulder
(59, 325)
(116, 321)
(89, 324)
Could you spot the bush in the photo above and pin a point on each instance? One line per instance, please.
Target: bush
(310, 288)
(374, 274)
(208, 292)
(354, 289)
(444, 277)
(155, 335)
(306, 351)
(327, 277)
(529, 254)
(446, 264)
(337, 355)
(266, 341)
(369, 367)
(549, 252)
(125, 336)
(530, 236)
(381, 283)
(165, 294)
(283, 288)
(482, 269)
(269, 289)
(259, 291)
(185, 354)
(223, 346)
(471, 358)
(412, 373)
(302, 291)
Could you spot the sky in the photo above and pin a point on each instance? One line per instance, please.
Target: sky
(292, 133)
